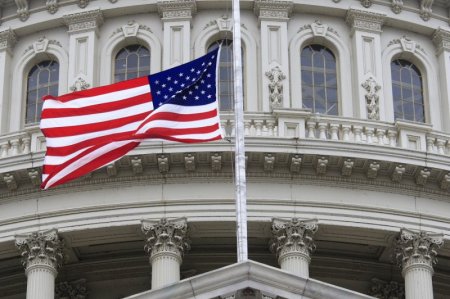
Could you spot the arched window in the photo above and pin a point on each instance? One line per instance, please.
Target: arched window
(131, 62)
(407, 91)
(319, 82)
(42, 80)
(226, 91)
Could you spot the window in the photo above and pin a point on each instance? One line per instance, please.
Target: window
(132, 62)
(42, 80)
(407, 91)
(319, 81)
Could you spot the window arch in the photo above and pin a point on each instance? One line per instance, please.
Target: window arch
(319, 79)
(407, 91)
(43, 79)
(131, 62)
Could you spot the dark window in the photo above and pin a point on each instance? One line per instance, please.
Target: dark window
(131, 62)
(407, 91)
(42, 80)
(319, 81)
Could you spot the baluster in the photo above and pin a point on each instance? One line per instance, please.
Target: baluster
(26, 144)
(247, 125)
(334, 128)
(380, 135)
(346, 132)
(258, 126)
(440, 143)
(265, 130)
(4, 149)
(322, 131)
(357, 130)
(270, 126)
(392, 135)
(311, 129)
(369, 133)
(15, 150)
(430, 144)
(233, 128)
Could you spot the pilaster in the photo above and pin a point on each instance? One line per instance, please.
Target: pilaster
(166, 242)
(273, 16)
(7, 42)
(83, 48)
(42, 255)
(416, 253)
(441, 39)
(176, 16)
(366, 31)
(293, 243)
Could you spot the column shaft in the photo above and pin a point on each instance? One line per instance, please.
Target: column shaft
(41, 282)
(418, 282)
(165, 269)
(295, 263)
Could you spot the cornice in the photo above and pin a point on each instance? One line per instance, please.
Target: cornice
(176, 9)
(365, 20)
(273, 9)
(84, 21)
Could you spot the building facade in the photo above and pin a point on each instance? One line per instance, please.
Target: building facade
(347, 133)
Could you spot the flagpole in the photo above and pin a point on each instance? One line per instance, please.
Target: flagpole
(240, 179)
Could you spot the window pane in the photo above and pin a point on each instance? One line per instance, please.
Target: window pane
(131, 62)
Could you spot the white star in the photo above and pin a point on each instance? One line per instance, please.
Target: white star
(187, 77)
(212, 57)
(182, 85)
(196, 97)
(209, 85)
(166, 96)
(192, 70)
(196, 86)
(209, 63)
(175, 82)
(158, 92)
(156, 82)
(193, 79)
(203, 64)
(169, 78)
(180, 74)
(164, 85)
(170, 89)
(198, 72)
(202, 92)
(190, 91)
(202, 81)
(160, 104)
(172, 96)
(184, 97)
(209, 96)
(208, 75)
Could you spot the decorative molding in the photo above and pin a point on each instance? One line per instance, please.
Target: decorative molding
(71, 290)
(386, 290)
(366, 3)
(422, 176)
(441, 39)
(445, 182)
(276, 76)
(365, 20)
(8, 39)
(136, 165)
(417, 247)
(372, 171)
(347, 167)
(296, 163)
(273, 9)
(84, 21)
(111, 169)
(398, 172)
(426, 9)
(35, 176)
(163, 163)
(177, 9)
(166, 236)
(22, 9)
(293, 236)
(41, 248)
(216, 162)
(131, 29)
(189, 162)
(79, 84)
(83, 3)
(10, 181)
(52, 6)
(321, 167)
(397, 6)
(407, 44)
(318, 28)
(269, 162)
(372, 87)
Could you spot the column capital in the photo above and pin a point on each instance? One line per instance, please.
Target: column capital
(8, 39)
(279, 10)
(441, 39)
(41, 249)
(417, 249)
(73, 289)
(176, 9)
(84, 21)
(293, 237)
(365, 20)
(166, 237)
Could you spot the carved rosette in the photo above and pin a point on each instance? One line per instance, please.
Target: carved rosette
(52, 6)
(276, 76)
(417, 249)
(166, 236)
(372, 87)
(41, 249)
(71, 290)
(397, 6)
(386, 290)
(293, 236)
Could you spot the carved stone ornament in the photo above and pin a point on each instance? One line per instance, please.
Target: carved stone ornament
(318, 28)
(397, 6)
(386, 290)
(166, 236)
(296, 163)
(365, 20)
(445, 182)
(441, 39)
(366, 3)
(321, 167)
(372, 171)
(189, 162)
(41, 248)
(216, 162)
(422, 176)
(417, 247)
(407, 44)
(177, 9)
(269, 162)
(293, 236)
(276, 76)
(79, 84)
(273, 9)
(111, 169)
(7, 39)
(372, 87)
(84, 21)
(131, 29)
(83, 3)
(136, 165)
(52, 6)
(71, 290)
(163, 163)
(22, 10)
(10, 181)
(35, 177)
(425, 9)
(347, 167)
(397, 174)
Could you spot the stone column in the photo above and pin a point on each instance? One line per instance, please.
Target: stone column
(83, 48)
(293, 243)
(366, 34)
(166, 242)
(416, 254)
(176, 16)
(7, 41)
(42, 254)
(273, 18)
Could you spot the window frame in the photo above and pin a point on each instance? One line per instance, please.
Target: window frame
(119, 49)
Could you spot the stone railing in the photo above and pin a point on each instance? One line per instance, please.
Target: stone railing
(30, 140)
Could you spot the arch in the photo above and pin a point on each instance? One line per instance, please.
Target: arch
(408, 50)
(120, 39)
(213, 33)
(23, 67)
(331, 40)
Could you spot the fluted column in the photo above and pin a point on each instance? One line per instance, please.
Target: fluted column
(416, 254)
(293, 243)
(42, 254)
(166, 242)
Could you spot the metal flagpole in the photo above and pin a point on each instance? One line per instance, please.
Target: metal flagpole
(240, 180)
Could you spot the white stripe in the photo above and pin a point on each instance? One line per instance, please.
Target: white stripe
(71, 140)
(178, 124)
(98, 99)
(185, 109)
(58, 160)
(95, 117)
(203, 136)
(86, 160)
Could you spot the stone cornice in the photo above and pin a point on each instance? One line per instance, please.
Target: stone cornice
(273, 9)
(177, 9)
(7, 39)
(84, 21)
(441, 39)
(365, 20)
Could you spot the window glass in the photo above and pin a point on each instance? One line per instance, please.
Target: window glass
(131, 62)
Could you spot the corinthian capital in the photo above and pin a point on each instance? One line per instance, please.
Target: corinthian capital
(7, 39)
(177, 9)
(84, 21)
(417, 248)
(41, 248)
(166, 236)
(293, 236)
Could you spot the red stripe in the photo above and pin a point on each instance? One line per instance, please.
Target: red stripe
(171, 138)
(181, 117)
(94, 109)
(161, 131)
(90, 128)
(101, 90)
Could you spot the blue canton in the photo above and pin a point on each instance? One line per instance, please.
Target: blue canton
(190, 84)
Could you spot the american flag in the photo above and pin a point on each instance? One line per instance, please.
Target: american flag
(89, 129)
